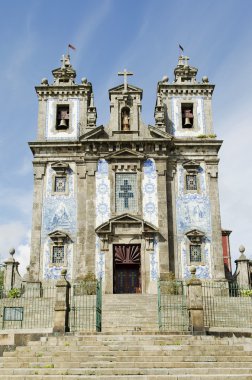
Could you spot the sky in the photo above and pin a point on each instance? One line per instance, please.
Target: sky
(110, 35)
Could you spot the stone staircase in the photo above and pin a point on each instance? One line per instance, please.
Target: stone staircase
(129, 312)
(132, 356)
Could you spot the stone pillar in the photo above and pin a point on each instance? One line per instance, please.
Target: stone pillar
(61, 308)
(162, 216)
(243, 270)
(79, 262)
(90, 217)
(39, 171)
(174, 260)
(195, 302)
(217, 250)
(12, 278)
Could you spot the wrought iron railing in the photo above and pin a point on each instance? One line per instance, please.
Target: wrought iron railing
(226, 305)
(172, 306)
(85, 306)
(28, 307)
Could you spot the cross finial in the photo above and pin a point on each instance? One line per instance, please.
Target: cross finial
(125, 73)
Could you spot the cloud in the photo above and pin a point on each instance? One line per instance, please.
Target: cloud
(85, 33)
(15, 235)
(25, 168)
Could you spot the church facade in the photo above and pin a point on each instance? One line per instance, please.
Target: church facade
(127, 201)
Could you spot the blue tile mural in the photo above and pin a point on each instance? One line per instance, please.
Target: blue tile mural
(102, 210)
(59, 213)
(193, 212)
(150, 210)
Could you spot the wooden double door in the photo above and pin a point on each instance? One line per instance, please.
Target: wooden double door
(127, 268)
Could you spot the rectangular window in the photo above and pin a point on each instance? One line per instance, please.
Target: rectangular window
(187, 115)
(60, 184)
(58, 254)
(13, 314)
(191, 182)
(62, 118)
(195, 253)
(126, 192)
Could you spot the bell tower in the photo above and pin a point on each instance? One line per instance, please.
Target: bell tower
(184, 110)
(125, 109)
(66, 112)
(187, 102)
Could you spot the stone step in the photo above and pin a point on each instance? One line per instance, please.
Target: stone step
(127, 348)
(130, 377)
(127, 371)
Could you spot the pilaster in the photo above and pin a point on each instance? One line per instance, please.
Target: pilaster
(36, 252)
(162, 215)
(79, 262)
(217, 253)
(91, 216)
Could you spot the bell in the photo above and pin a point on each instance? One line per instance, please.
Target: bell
(187, 122)
(63, 124)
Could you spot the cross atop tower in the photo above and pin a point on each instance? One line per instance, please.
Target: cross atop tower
(125, 73)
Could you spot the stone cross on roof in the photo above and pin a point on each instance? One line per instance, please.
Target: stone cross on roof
(125, 73)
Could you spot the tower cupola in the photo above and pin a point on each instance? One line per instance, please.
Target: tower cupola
(64, 75)
(183, 72)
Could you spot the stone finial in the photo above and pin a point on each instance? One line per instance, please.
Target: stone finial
(183, 72)
(12, 251)
(165, 79)
(64, 75)
(193, 269)
(242, 255)
(92, 100)
(84, 80)
(44, 81)
(63, 272)
(205, 79)
(242, 248)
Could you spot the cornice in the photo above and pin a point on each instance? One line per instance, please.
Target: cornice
(58, 91)
(186, 89)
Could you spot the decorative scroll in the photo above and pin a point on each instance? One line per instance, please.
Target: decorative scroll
(127, 254)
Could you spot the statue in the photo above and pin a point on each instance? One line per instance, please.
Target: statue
(125, 120)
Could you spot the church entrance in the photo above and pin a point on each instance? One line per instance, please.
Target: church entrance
(127, 268)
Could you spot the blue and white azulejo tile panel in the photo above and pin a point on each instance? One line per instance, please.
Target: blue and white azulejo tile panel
(59, 213)
(100, 260)
(154, 261)
(193, 211)
(102, 210)
(52, 272)
(149, 192)
(102, 193)
(150, 210)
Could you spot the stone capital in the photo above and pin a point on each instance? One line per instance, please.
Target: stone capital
(39, 170)
(212, 171)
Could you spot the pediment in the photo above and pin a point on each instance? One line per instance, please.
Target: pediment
(195, 232)
(126, 220)
(130, 88)
(156, 132)
(94, 133)
(195, 236)
(125, 154)
(60, 167)
(191, 166)
(58, 235)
